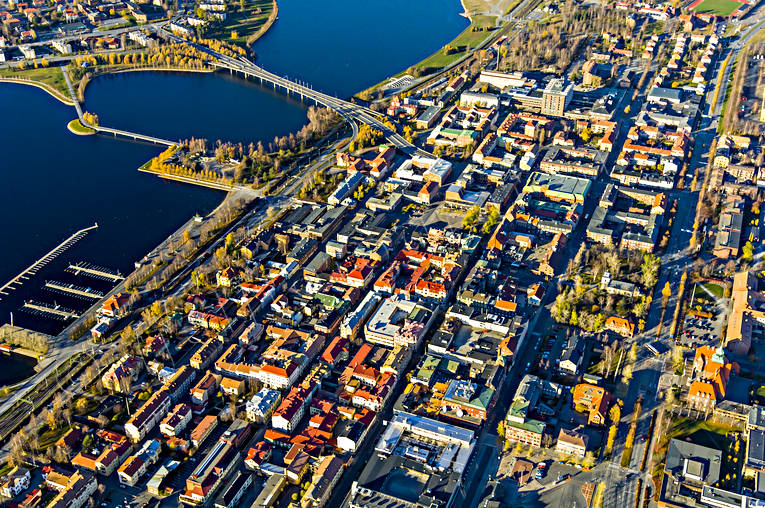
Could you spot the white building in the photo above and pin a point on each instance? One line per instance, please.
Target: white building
(62, 47)
(28, 52)
(18, 482)
(571, 443)
(261, 406)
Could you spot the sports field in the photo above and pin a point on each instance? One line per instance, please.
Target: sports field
(717, 7)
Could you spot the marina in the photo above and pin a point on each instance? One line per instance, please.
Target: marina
(47, 258)
(95, 271)
(43, 309)
(73, 290)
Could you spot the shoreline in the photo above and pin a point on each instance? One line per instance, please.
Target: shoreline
(189, 180)
(43, 86)
(139, 69)
(267, 26)
(73, 129)
(466, 12)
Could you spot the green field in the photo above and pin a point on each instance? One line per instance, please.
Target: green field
(716, 289)
(717, 7)
(245, 23)
(471, 37)
(51, 76)
(77, 128)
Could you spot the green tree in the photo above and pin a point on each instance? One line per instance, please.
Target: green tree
(747, 252)
(491, 220)
(650, 270)
(230, 239)
(87, 443)
(470, 217)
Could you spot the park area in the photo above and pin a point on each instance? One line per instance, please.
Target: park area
(245, 22)
(722, 8)
(50, 76)
(480, 28)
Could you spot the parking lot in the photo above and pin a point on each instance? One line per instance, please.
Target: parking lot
(751, 95)
(704, 327)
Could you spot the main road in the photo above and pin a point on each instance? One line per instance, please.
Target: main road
(348, 110)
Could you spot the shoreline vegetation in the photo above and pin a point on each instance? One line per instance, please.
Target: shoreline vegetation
(247, 21)
(485, 24)
(81, 87)
(245, 29)
(76, 127)
(267, 26)
(480, 29)
(260, 166)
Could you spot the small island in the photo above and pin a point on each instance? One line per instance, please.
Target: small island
(76, 127)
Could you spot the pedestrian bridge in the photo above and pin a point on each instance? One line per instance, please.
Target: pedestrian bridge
(109, 130)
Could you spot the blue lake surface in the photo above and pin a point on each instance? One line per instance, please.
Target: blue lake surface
(55, 183)
(344, 46)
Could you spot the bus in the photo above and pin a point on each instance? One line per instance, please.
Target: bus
(653, 349)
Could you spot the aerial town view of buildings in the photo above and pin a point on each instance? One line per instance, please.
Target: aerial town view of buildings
(529, 277)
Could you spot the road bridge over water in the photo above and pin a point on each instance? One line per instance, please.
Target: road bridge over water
(348, 110)
(351, 112)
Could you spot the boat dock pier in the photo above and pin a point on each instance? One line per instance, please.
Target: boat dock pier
(47, 258)
(95, 271)
(48, 310)
(73, 290)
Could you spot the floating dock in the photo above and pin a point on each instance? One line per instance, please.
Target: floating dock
(47, 310)
(95, 271)
(47, 258)
(73, 290)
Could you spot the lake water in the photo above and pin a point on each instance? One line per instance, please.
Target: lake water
(15, 368)
(55, 183)
(344, 46)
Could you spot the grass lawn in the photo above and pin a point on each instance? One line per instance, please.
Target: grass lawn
(245, 23)
(126, 24)
(51, 76)
(77, 128)
(759, 36)
(707, 432)
(480, 6)
(718, 7)
(48, 437)
(657, 27)
(471, 37)
(6, 468)
(715, 289)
